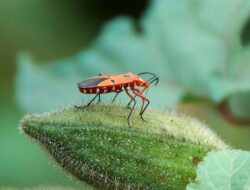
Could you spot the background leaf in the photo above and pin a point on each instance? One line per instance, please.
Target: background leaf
(226, 169)
(194, 46)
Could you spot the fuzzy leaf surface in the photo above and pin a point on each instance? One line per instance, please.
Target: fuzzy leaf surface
(95, 145)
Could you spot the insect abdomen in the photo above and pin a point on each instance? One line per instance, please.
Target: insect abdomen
(95, 90)
(108, 89)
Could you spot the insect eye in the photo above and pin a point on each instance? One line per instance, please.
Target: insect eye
(113, 81)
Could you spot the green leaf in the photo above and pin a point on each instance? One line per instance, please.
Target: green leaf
(226, 169)
(42, 188)
(40, 87)
(96, 145)
(193, 46)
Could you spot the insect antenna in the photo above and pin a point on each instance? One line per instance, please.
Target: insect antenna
(143, 73)
(156, 78)
(152, 79)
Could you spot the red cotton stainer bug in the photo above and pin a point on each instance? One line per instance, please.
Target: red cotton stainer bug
(128, 82)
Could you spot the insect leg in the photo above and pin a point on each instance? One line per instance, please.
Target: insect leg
(142, 111)
(115, 97)
(128, 105)
(137, 93)
(99, 98)
(129, 115)
(141, 92)
(93, 99)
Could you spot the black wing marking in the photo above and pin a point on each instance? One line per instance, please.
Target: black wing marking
(91, 83)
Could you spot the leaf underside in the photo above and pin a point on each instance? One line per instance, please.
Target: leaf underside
(225, 170)
(95, 145)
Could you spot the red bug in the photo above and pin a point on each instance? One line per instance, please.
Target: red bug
(128, 82)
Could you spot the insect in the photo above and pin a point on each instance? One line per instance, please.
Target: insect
(118, 83)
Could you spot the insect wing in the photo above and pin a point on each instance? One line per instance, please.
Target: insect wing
(92, 82)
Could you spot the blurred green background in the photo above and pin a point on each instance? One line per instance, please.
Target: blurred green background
(51, 30)
(48, 30)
